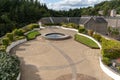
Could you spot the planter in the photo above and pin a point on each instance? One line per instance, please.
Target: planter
(13, 44)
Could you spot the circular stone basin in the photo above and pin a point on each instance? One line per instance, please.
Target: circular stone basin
(56, 36)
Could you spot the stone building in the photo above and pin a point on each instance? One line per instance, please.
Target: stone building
(98, 24)
(113, 13)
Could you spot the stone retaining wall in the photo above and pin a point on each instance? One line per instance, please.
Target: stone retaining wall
(13, 44)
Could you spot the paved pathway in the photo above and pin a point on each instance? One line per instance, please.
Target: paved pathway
(58, 60)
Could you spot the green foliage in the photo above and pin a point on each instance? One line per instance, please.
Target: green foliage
(97, 37)
(5, 41)
(82, 30)
(2, 48)
(19, 13)
(86, 41)
(10, 36)
(113, 31)
(32, 26)
(19, 37)
(90, 32)
(18, 32)
(70, 25)
(118, 67)
(32, 35)
(110, 49)
(9, 67)
(106, 61)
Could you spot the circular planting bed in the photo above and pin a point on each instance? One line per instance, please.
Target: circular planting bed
(56, 36)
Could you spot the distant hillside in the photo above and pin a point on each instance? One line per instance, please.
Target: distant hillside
(18, 13)
(106, 6)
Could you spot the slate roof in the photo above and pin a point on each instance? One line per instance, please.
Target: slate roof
(45, 20)
(60, 19)
(83, 20)
(100, 20)
(77, 20)
(74, 20)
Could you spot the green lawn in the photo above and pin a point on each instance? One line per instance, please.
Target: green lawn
(86, 41)
(32, 35)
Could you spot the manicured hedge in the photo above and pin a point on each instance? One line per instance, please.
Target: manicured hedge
(32, 35)
(86, 41)
(9, 67)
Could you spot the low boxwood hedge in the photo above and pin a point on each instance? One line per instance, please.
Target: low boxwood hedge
(32, 35)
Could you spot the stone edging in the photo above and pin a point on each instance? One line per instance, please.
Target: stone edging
(109, 72)
(18, 78)
(12, 46)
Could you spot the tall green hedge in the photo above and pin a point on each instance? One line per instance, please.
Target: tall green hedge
(9, 67)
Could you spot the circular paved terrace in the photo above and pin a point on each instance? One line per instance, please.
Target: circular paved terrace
(43, 59)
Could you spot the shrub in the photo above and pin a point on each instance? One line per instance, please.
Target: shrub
(2, 48)
(118, 67)
(110, 49)
(18, 32)
(97, 37)
(106, 61)
(5, 41)
(72, 25)
(90, 32)
(9, 67)
(32, 35)
(10, 36)
(82, 30)
(32, 26)
(19, 37)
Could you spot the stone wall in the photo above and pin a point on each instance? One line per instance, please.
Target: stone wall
(113, 22)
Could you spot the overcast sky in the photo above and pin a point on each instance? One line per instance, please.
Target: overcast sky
(67, 4)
